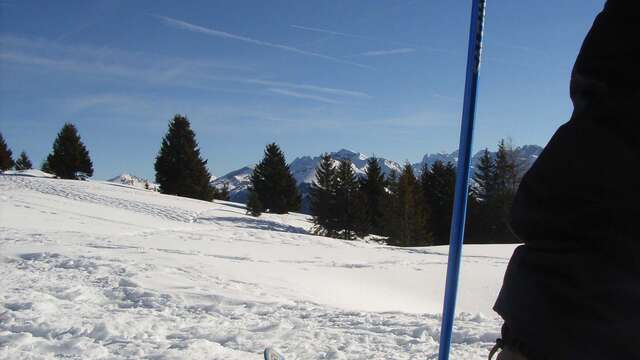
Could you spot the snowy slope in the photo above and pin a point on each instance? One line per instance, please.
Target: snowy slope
(89, 270)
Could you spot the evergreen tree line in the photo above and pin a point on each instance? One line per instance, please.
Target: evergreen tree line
(6, 158)
(412, 210)
(496, 182)
(69, 158)
(408, 210)
(180, 170)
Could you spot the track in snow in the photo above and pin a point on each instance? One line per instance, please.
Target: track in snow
(69, 189)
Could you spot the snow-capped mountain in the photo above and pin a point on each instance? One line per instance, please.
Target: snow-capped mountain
(303, 168)
(430, 159)
(131, 180)
(238, 182)
(527, 154)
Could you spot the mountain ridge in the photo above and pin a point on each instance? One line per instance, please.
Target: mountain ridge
(126, 178)
(303, 168)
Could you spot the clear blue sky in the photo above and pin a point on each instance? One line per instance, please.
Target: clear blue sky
(383, 77)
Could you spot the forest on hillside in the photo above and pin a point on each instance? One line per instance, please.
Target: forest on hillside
(401, 208)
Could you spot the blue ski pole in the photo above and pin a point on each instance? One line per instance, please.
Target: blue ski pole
(462, 176)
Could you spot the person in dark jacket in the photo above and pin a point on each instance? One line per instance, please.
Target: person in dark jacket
(572, 291)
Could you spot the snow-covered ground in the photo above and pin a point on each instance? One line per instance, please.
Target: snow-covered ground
(93, 270)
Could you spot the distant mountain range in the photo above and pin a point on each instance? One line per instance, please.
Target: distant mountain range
(303, 169)
(131, 180)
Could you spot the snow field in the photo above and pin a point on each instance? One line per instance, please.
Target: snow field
(90, 270)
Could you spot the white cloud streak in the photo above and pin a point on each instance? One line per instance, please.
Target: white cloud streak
(270, 84)
(225, 35)
(330, 32)
(306, 96)
(66, 64)
(388, 52)
(115, 64)
(109, 63)
(325, 90)
(355, 36)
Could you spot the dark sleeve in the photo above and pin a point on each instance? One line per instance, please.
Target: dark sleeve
(582, 191)
(571, 291)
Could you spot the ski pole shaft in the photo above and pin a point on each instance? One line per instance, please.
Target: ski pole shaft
(462, 176)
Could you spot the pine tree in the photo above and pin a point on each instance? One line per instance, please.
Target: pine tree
(322, 198)
(69, 158)
(373, 190)
(507, 169)
(438, 186)
(496, 182)
(45, 167)
(390, 208)
(272, 181)
(411, 216)
(349, 202)
(473, 228)
(221, 193)
(180, 170)
(254, 206)
(506, 180)
(6, 160)
(503, 168)
(23, 162)
(484, 177)
(484, 217)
